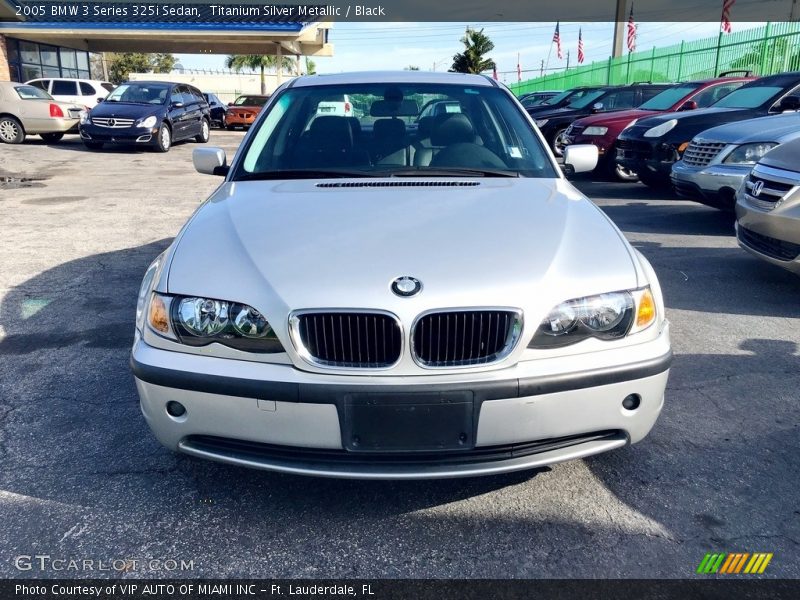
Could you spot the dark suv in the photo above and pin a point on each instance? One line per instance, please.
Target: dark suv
(148, 113)
(651, 146)
(554, 123)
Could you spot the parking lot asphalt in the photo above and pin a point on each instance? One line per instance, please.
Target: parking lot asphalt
(82, 478)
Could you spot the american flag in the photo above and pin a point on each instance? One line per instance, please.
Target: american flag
(580, 47)
(557, 41)
(726, 15)
(631, 32)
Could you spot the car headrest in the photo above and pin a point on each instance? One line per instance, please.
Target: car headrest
(331, 132)
(389, 128)
(424, 127)
(453, 129)
(355, 126)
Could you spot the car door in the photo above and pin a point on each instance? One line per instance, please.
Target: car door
(195, 103)
(65, 90)
(177, 113)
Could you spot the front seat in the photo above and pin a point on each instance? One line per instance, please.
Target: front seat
(389, 142)
(460, 148)
(329, 144)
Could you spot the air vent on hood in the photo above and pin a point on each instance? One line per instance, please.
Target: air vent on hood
(382, 184)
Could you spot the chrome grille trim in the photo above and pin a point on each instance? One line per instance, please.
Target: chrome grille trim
(472, 336)
(337, 338)
(118, 123)
(383, 184)
(700, 154)
(777, 185)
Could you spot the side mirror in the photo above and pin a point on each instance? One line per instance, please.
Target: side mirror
(230, 103)
(688, 105)
(99, 100)
(597, 107)
(210, 161)
(789, 103)
(580, 158)
(177, 105)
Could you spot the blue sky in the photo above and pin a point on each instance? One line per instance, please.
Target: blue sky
(371, 46)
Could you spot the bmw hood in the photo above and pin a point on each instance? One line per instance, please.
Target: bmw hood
(772, 128)
(287, 245)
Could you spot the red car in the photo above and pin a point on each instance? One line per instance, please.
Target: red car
(603, 129)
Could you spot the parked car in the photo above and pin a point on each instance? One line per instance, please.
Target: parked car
(768, 208)
(243, 111)
(651, 146)
(562, 99)
(718, 160)
(148, 113)
(350, 347)
(553, 124)
(28, 110)
(86, 92)
(536, 98)
(603, 129)
(217, 109)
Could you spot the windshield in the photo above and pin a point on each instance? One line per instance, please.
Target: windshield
(140, 93)
(28, 92)
(251, 101)
(667, 99)
(559, 97)
(748, 97)
(586, 98)
(385, 135)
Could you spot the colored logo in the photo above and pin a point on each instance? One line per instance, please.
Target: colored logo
(406, 286)
(734, 563)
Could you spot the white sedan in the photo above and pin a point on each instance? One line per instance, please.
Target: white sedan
(399, 297)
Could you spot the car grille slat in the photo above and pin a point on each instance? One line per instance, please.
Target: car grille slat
(768, 246)
(112, 123)
(361, 340)
(465, 337)
(775, 186)
(700, 154)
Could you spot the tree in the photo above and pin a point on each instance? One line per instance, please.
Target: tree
(476, 46)
(259, 62)
(121, 65)
(311, 67)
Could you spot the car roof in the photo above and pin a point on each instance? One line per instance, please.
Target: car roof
(68, 79)
(394, 77)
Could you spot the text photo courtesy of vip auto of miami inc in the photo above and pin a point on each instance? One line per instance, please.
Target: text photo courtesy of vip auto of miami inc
(399, 300)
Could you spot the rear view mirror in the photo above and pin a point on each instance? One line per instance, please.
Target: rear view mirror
(210, 161)
(688, 105)
(789, 103)
(580, 158)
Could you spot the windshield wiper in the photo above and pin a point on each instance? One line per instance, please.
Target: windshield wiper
(303, 174)
(449, 172)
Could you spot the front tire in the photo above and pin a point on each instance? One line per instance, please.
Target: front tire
(558, 142)
(51, 138)
(11, 131)
(230, 127)
(164, 139)
(205, 133)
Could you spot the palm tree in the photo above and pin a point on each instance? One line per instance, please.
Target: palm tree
(311, 67)
(258, 62)
(476, 46)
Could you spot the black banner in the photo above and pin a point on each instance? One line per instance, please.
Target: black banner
(587, 589)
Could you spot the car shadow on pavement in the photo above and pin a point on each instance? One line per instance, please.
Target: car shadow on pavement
(82, 475)
(682, 218)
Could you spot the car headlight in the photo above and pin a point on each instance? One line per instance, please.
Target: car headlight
(593, 130)
(662, 129)
(541, 122)
(196, 321)
(749, 154)
(84, 117)
(605, 316)
(147, 122)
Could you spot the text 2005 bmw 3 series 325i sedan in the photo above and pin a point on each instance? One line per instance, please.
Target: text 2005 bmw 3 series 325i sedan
(397, 295)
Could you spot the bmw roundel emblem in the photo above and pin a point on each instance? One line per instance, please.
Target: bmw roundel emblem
(406, 286)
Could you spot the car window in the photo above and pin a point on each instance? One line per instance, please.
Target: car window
(649, 92)
(714, 93)
(748, 97)
(584, 99)
(176, 97)
(140, 93)
(43, 84)
(198, 95)
(619, 99)
(490, 132)
(28, 92)
(107, 86)
(187, 95)
(64, 88)
(667, 98)
(250, 101)
(87, 89)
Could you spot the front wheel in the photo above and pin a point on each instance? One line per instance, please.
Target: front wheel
(52, 138)
(559, 142)
(11, 131)
(164, 139)
(205, 133)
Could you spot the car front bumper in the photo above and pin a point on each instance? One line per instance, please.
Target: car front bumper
(142, 136)
(714, 185)
(276, 417)
(773, 236)
(646, 158)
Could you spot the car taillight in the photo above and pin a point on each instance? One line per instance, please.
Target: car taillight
(55, 111)
(347, 107)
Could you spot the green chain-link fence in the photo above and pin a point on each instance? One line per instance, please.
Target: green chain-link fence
(773, 48)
